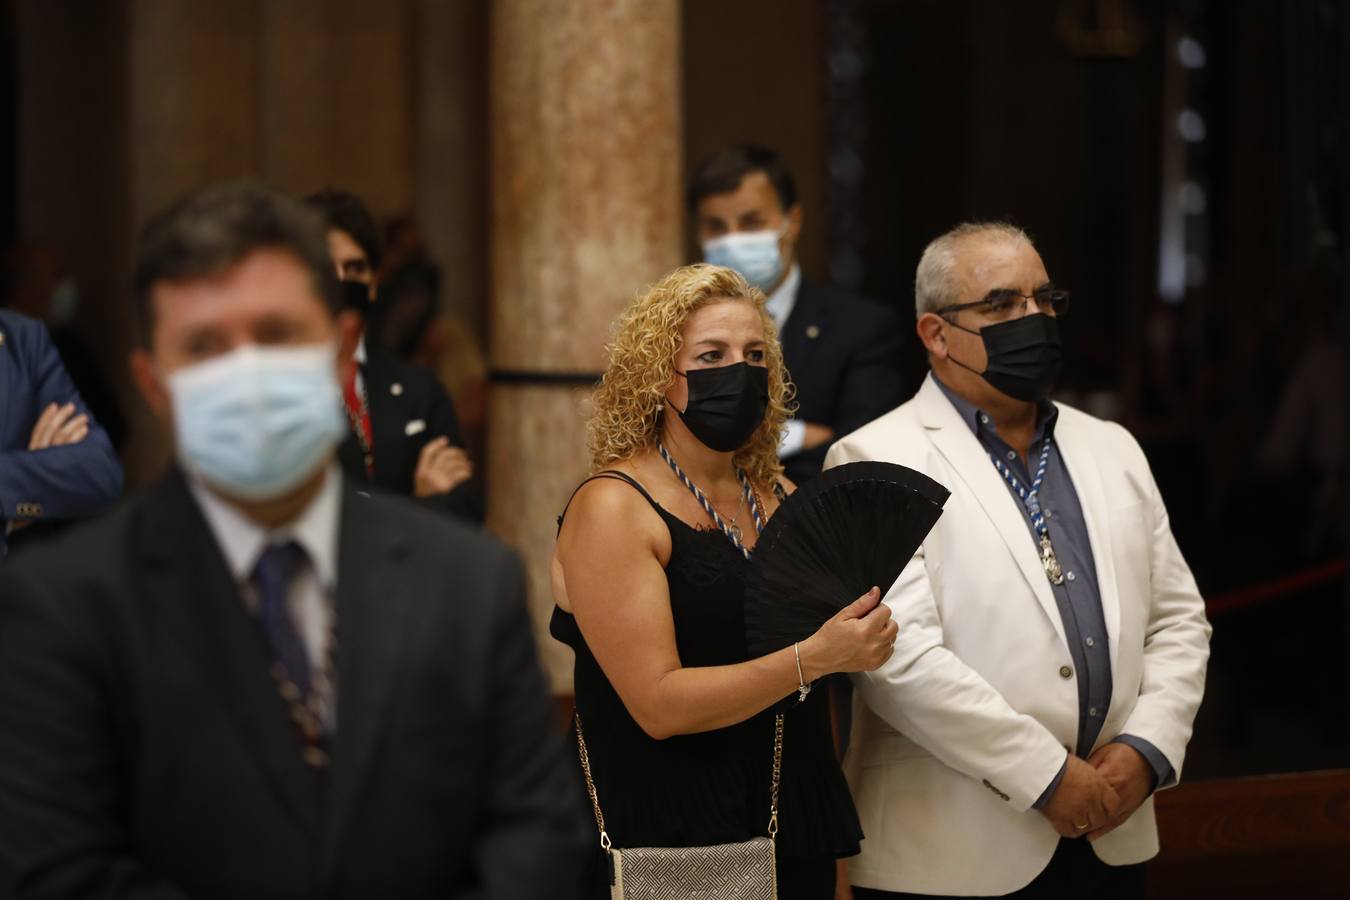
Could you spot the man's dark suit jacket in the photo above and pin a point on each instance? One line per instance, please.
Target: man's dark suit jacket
(843, 354)
(408, 408)
(68, 482)
(145, 752)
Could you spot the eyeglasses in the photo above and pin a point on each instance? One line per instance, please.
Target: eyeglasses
(357, 269)
(1002, 304)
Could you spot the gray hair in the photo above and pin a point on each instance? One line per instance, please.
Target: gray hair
(933, 288)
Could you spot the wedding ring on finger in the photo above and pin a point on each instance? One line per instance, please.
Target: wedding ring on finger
(1080, 827)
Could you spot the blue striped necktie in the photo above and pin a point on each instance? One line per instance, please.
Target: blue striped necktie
(276, 568)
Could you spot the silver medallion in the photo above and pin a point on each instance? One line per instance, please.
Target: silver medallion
(1053, 570)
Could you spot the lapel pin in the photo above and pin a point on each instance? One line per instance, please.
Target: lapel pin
(396, 389)
(813, 331)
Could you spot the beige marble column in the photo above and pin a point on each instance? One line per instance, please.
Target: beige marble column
(586, 166)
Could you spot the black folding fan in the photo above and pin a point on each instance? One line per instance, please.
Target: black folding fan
(847, 529)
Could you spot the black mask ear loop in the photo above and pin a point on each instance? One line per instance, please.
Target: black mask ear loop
(666, 399)
(949, 352)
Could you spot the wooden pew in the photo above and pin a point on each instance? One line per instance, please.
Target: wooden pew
(1276, 837)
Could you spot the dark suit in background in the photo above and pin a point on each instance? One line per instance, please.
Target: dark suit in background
(67, 482)
(408, 408)
(843, 354)
(145, 752)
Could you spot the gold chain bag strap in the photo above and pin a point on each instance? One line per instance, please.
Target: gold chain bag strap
(744, 871)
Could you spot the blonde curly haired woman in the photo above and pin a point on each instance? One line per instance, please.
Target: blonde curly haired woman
(649, 577)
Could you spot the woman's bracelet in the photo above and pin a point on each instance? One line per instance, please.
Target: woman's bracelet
(802, 687)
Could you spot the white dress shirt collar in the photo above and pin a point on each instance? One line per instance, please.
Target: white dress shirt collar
(241, 540)
(779, 304)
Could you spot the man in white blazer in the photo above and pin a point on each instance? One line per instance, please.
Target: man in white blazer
(1052, 645)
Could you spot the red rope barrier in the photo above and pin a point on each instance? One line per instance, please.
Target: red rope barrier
(1266, 590)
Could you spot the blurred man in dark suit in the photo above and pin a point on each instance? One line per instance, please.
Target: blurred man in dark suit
(56, 462)
(842, 351)
(39, 284)
(253, 680)
(404, 432)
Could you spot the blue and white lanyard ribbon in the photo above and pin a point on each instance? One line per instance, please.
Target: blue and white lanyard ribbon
(732, 532)
(1031, 500)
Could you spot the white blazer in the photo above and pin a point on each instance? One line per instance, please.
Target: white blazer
(959, 733)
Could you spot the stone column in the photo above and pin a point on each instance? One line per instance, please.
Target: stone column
(586, 167)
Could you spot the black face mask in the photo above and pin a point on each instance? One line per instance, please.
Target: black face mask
(355, 295)
(1024, 356)
(726, 404)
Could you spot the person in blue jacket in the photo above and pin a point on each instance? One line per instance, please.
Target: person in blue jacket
(56, 462)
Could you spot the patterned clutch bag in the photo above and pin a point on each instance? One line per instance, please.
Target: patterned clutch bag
(744, 871)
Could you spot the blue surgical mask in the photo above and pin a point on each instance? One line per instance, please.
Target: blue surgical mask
(755, 254)
(257, 422)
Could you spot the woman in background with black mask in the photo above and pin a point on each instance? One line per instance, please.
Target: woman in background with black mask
(649, 577)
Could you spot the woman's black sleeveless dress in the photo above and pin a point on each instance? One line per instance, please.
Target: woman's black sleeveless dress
(713, 788)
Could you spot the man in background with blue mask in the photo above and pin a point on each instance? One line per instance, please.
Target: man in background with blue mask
(253, 680)
(843, 352)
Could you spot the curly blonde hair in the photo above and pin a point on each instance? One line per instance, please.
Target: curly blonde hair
(628, 403)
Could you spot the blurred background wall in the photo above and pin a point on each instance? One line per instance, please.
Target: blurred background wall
(1183, 164)
(124, 105)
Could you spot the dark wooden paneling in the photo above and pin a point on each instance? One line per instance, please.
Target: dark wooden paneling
(753, 72)
(9, 124)
(1282, 836)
